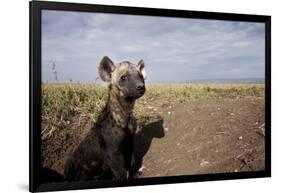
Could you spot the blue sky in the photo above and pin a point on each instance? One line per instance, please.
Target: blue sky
(173, 49)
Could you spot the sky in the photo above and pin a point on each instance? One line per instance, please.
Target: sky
(174, 50)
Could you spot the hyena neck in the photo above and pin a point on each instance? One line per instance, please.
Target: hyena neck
(120, 108)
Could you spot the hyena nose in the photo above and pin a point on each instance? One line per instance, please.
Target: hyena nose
(140, 86)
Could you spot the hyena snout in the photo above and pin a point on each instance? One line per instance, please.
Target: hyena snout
(140, 86)
(134, 89)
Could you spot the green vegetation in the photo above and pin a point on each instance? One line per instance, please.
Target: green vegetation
(142, 119)
(63, 100)
(60, 102)
(186, 92)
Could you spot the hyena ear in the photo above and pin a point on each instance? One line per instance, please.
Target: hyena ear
(141, 68)
(106, 67)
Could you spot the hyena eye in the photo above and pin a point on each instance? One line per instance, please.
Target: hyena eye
(124, 77)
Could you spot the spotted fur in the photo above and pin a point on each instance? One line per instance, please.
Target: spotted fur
(107, 150)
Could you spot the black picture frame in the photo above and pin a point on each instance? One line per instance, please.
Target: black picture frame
(35, 94)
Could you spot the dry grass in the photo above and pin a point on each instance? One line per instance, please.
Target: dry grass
(204, 91)
(61, 102)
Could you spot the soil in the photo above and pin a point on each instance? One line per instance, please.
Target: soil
(183, 138)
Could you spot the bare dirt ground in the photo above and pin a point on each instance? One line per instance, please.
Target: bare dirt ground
(207, 136)
(194, 137)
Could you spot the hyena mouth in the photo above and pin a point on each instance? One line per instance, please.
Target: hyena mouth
(141, 92)
(135, 96)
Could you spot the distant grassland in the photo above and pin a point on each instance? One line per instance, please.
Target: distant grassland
(61, 101)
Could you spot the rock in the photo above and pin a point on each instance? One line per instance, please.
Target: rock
(261, 131)
(204, 163)
(240, 138)
(142, 168)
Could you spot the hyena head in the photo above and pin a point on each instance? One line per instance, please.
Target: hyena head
(125, 77)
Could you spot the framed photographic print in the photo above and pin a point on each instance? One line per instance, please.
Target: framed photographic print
(126, 96)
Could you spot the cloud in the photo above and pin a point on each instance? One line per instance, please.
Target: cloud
(174, 49)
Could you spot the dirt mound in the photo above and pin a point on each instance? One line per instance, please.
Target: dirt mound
(60, 141)
(204, 136)
(208, 136)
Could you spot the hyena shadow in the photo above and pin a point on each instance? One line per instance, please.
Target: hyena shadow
(143, 139)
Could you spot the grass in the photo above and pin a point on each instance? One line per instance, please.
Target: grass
(62, 101)
(204, 91)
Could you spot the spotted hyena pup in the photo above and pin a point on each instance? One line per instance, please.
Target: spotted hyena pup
(107, 150)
